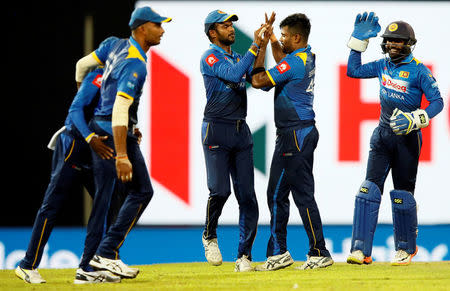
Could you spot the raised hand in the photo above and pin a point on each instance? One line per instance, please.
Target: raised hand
(366, 26)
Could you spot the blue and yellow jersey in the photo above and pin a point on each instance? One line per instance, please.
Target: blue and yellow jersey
(401, 85)
(125, 74)
(293, 78)
(225, 77)
(82, 108)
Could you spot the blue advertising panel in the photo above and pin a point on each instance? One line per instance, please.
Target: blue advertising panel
(153, 245)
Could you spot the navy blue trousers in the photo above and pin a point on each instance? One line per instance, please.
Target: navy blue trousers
(228, 149)
(71, 166)
(138, 194)
(292, 171)
(399, 153)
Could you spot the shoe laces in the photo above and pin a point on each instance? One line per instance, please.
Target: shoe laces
(401, 254)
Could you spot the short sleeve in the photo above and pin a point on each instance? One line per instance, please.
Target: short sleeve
(287, 69)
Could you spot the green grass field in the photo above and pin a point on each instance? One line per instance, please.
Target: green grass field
(201, 276)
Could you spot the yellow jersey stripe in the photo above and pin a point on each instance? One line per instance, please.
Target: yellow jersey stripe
(133, 53)
(97, 59)
(89, 136)
(124, 95)
(271, 79)
(302, 56)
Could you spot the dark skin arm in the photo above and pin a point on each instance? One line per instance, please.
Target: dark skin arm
(123, 165)
(261, 79)
(277, 51)
(97, 144)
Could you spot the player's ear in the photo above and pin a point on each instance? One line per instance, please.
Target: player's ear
(297, 38)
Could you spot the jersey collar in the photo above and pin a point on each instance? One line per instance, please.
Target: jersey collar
(138, 47)
(218, 48)
(302, 50)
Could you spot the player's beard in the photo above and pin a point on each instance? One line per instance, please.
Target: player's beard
(285, 49)
(227, 40)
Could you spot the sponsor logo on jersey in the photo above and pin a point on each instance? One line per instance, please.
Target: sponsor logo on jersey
(404, 74)
(283, 67)
(98, 80)
(211, 60)
(393, 84)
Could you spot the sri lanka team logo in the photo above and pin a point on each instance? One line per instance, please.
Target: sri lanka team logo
(404, 74)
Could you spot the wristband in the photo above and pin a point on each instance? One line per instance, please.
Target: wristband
(257, 70)
(250, 50)
(254, 43)
(89, 137)
(122, 157)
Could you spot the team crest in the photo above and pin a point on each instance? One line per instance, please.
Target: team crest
(211, 60)
(283, 67)
(404, 74)
(393, 27)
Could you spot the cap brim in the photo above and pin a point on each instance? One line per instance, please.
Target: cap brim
(167, 19)
(231, 17)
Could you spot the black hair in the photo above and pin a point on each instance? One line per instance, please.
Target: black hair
(298, 23)
(212, 26)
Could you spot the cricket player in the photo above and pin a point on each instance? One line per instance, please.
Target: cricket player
(116, 117)
(297, 137)
(71, 166)
(226, 138)
(396, 141)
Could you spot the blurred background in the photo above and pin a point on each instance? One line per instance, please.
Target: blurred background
(49, 38)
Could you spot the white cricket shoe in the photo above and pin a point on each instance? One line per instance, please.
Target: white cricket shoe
(212, 251)
(83, 277)
(114, 266)
(402, 258)
(243, 264)
(29, 276)
(276, 262)
(315, 262)
(357, 257)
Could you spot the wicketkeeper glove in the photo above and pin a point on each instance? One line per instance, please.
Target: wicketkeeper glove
(403, 123)
(366, 26)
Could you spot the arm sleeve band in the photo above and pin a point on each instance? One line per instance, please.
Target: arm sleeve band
(84, 65)
(257, 70)
(120, 111)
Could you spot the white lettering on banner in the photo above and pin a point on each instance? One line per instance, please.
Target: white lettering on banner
(397, 85)
(386, 253)
(60, 259)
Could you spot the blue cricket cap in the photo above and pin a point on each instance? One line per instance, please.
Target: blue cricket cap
(218, 16)
(145, 14)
